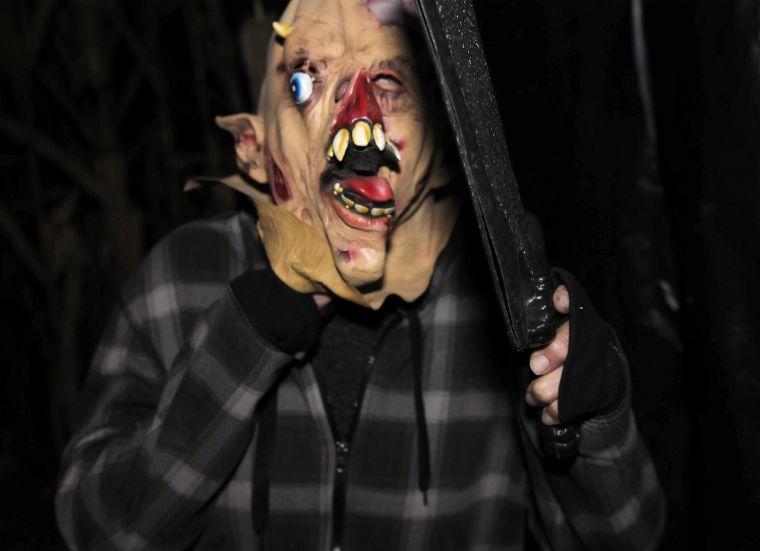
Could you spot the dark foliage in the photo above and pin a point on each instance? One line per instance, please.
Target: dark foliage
(644, 170)
(106, 108)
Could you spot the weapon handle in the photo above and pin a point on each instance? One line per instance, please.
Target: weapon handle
(538, 283)
(559, 442)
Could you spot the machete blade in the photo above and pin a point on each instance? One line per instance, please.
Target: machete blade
(511, 237)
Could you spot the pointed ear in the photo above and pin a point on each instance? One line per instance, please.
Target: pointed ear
(248, 131)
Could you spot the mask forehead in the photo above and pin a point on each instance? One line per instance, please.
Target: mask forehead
(338, 30)
(352, 23)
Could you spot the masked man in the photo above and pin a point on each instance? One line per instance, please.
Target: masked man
(331, 375)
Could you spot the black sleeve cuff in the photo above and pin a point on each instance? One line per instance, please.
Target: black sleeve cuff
(286, 319)
(595, 377)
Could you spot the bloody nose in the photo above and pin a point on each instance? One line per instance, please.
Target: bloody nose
(358, 103)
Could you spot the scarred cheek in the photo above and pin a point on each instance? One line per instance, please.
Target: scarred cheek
(278, 184)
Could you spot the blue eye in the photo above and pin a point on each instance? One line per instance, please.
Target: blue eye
(301, 86)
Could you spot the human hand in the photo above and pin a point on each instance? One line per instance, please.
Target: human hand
(287, 320)
(548, 364)
(582, 372)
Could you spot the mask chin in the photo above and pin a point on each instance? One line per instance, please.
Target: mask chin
(362, 268)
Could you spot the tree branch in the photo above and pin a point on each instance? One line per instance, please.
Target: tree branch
(128, 94)
(63, 100)
(38, 30)
(147, 62)
(24, 249)
(48, 149)
(259, 12)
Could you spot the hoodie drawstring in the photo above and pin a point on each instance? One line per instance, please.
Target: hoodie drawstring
(423, 442)
(262, 465)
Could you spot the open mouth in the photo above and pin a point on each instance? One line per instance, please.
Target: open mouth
(364, 202)
(361, 199)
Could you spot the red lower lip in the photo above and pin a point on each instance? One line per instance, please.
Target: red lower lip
(356, 220)
(371, 189)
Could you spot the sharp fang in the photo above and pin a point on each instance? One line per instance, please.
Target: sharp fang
(340, 144)
(337, 189)
(361, 134)
(347, 201)
(330, 152)
(361, 209)
(394, 150)
(376, 212)
(388, 211)
(379, 135)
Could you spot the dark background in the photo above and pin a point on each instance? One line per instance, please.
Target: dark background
(638, 151)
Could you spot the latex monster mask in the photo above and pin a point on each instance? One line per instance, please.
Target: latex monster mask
(349, 147)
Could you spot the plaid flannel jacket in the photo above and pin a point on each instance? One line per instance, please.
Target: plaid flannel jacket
(165, 453)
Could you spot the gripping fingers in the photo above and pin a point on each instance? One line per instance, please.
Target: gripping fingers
(553, 355)
(561, 300)
(548, 363)
(545, 389)
(550, 414)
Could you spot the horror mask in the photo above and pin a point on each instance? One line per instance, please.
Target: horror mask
(347, 141)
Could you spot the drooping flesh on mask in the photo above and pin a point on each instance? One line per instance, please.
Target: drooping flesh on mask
(350, 147)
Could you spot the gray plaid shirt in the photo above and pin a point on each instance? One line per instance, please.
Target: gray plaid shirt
(165, 453)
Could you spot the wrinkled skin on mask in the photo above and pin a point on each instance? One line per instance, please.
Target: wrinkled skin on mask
(349, 149)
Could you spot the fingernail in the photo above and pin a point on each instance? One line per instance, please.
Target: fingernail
(539, 364)
(564, 301)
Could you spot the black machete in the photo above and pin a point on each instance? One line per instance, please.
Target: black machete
(511, 236)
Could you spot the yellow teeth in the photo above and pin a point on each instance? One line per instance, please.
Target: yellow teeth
(281, 29)
(361, 134)
(379, 135)
(340, 144)
(377, 212)
(374, 212)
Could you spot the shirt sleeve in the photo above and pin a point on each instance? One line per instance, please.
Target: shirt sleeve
(607, 497)
(157, 445)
